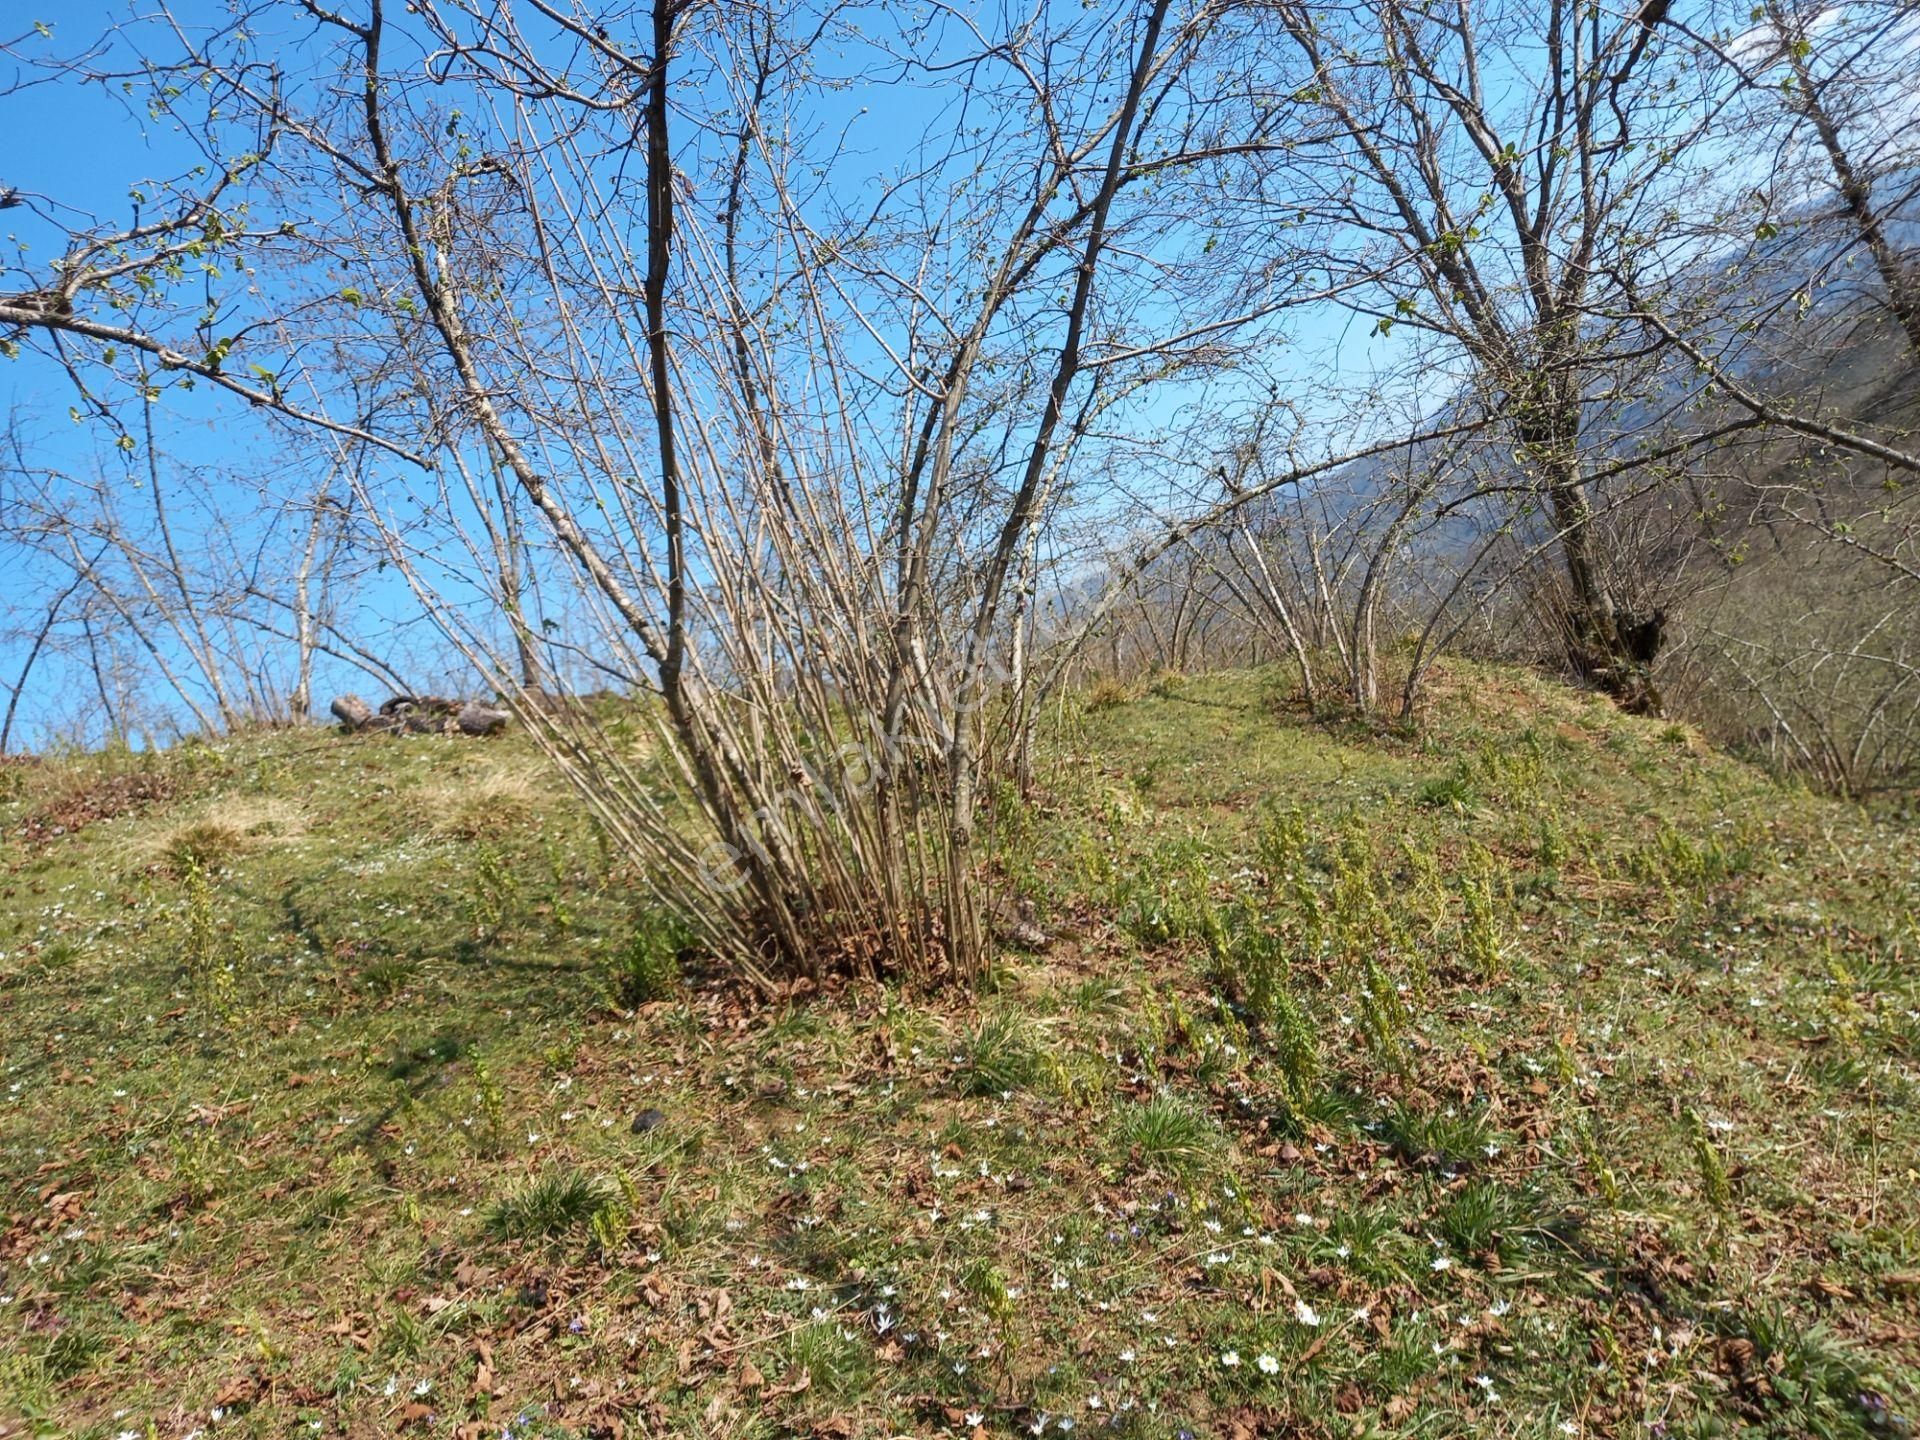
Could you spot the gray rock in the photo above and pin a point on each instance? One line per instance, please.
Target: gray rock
(477, 719)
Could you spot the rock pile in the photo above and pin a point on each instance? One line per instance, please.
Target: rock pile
(421, 715)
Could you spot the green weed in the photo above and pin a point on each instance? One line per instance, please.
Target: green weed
(647, 967)
(493, 892)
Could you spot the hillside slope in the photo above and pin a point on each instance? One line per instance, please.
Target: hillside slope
(1542, 1074)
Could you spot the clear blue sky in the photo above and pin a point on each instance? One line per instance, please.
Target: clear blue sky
(88, 149)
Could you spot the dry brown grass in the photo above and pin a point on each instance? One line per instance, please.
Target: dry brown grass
(489, 795)
(215, 832)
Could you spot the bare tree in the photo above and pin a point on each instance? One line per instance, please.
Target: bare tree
(1470, 174)
(785, 469)
(1829, 95)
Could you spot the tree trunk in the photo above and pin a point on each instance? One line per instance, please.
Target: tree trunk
(352, 712)
(300, 703)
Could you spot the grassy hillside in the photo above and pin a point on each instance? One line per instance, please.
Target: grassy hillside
(1542, 1074)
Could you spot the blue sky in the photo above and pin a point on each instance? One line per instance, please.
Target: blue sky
(88, 149)
(91, 148)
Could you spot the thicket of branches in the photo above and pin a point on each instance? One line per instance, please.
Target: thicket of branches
(841, 385)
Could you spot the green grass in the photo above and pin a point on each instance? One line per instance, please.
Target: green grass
(996, 1055)
(1520, 1071)
(550, 1207)
(1167, 1135)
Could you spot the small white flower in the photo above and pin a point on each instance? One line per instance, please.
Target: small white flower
(974, 1417)
(1441, 1262)
(1126, 1357)
(1268, 1365)
(1230, 1359)
(1305, 1313)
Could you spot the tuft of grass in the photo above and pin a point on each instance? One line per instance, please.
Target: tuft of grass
(488, 800)
(997, 1055)
(1446, 1138)
(70, 1353)
(1802, 1380)
(837, 1363)
(217, 832)
(1481, 1218)
(1107, 693)
(551, 1206)
(1169, 1135)
(1370, 1241)
(203, 845)
(387, 976)
(1447, 792)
